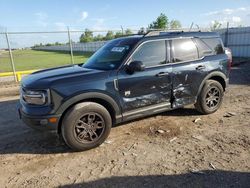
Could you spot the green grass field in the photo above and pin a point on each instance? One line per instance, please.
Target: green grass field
(32, 59)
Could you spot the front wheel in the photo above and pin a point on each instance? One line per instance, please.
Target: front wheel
(210, 97)
(86, 125)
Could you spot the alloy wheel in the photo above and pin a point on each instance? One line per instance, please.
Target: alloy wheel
(89, 128)
(213, 97)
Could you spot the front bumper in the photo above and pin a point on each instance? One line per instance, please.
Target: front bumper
(40, 122)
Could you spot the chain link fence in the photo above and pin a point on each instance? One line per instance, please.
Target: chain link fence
(25, 52)
(29, 51)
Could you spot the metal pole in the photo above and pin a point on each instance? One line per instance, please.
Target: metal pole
(197, 26)
(122, 29)
(71, 49)
(226, 36)
(191, 26)
(11, 56)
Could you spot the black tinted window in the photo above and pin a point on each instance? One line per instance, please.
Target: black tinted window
(215, 44)
(203, 48)
(184, 50)
(151, 53)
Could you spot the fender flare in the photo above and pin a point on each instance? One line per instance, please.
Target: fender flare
(210, 75)
(90, 95)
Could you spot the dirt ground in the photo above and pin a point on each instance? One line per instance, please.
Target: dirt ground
(174, 149)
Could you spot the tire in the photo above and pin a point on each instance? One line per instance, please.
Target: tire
(210, 97)
(86, 125)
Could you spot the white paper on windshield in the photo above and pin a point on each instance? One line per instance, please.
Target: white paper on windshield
(117, 49)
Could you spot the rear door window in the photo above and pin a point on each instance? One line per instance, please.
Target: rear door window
(184, 50)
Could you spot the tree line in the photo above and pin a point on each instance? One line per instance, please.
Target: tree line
(88, 35)
(49, 44)
(162, 22)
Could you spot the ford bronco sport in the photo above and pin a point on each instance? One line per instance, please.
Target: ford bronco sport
(127, 78)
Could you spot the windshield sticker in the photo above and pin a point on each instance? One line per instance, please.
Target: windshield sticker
(118, 49)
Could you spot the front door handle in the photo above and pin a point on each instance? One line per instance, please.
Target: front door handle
(200, 67)
(160, 74)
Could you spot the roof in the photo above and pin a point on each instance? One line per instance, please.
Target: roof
(164, 35)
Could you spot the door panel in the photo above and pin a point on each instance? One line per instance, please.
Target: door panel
(145, 88)
(151, 86)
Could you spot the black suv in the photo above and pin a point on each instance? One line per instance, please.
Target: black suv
(127, 78)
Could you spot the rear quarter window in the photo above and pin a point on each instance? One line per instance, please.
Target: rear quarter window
(203, 48)
(215, 44)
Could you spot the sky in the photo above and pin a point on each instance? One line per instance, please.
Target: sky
(48, 15)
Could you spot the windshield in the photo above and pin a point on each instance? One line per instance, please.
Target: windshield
(111, 55)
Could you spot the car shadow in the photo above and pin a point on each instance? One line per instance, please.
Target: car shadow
(208, 178)
(187, 111)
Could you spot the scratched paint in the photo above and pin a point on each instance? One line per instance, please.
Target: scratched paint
(146, 100)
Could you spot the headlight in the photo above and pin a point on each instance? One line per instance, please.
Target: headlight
(35, 97)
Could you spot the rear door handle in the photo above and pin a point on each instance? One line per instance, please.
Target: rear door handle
(160, 74)
(200, 67)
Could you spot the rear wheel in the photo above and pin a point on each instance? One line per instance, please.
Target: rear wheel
(86, 126)
(210, 97)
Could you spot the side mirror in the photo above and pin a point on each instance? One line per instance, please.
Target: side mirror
(135, 66)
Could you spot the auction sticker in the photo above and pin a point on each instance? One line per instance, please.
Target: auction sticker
(117, 49)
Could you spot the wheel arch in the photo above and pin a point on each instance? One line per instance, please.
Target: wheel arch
(217, 76)
(109, 103)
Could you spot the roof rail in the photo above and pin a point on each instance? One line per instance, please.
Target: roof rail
(162, 32)
(152, 33)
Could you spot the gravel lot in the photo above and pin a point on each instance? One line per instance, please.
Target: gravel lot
(190, 150)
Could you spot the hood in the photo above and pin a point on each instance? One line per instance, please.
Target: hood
(46, 78)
